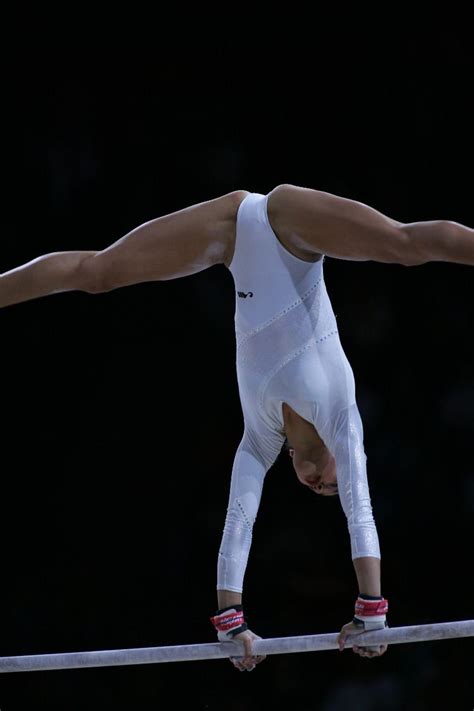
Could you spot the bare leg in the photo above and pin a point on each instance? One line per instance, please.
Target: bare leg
(49, 274)
(172, 246)
(313, 222)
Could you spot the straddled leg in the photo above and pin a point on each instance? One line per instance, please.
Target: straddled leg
(313, 222)
(49, 274)
(169, 247)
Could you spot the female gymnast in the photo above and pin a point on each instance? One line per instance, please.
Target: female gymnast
(295, 382)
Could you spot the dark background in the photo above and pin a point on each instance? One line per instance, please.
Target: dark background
(121, 413)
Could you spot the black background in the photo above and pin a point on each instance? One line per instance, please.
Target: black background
(121, 413)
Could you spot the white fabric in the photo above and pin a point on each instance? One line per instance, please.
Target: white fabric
(288, 350)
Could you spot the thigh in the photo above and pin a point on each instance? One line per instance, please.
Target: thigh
(174, 245)
(312, 221)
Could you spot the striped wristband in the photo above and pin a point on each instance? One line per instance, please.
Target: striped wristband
(370, 611)
(229, 621)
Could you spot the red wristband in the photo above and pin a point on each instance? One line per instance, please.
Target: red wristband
(371, 608)
(230, 621)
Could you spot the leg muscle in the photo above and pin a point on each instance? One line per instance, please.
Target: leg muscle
(317, 222)
(172, 246)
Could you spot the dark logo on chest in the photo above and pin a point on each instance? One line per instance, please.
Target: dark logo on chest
(243, 294)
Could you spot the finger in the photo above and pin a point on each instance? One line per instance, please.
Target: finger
(361, 651)
(367, 652)
(375, 651)
(249, 659)
(341, 640)
(378, 652)
(237, 662)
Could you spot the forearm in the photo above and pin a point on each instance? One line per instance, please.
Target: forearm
(226, 598)
(367, 570)
(248, 474)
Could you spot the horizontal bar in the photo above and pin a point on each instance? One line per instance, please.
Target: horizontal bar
(217, 650)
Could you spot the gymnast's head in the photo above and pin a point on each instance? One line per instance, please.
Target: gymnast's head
(315, 468)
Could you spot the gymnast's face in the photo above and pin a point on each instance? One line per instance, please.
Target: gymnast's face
(316, 470)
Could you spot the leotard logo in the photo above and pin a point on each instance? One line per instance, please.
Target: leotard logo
(244, 295)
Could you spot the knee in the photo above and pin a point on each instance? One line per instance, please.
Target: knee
(92, 277)
(423, 242)
(409, 250)
(449, 233)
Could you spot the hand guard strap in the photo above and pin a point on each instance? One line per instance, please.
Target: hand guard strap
(228, 622)
(371, 612)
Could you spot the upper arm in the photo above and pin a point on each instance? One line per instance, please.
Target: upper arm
(254, 456)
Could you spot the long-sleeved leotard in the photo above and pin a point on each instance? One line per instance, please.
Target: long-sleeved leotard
(288, 350)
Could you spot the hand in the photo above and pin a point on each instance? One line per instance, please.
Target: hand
(249, 660)
(352, 630)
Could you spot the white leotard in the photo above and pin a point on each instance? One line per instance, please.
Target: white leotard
(288, 350)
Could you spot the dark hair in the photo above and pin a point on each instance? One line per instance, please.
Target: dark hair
(286, 446)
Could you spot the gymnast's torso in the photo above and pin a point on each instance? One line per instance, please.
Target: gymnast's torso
(288, 347)
(288, 351)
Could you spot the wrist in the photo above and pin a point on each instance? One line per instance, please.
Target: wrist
(367, 571)
(225, 598)
(229, 621)
(370, 612)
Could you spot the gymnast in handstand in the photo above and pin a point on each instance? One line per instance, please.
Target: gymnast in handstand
(296, 385)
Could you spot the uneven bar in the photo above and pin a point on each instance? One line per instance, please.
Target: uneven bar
(195, 652)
